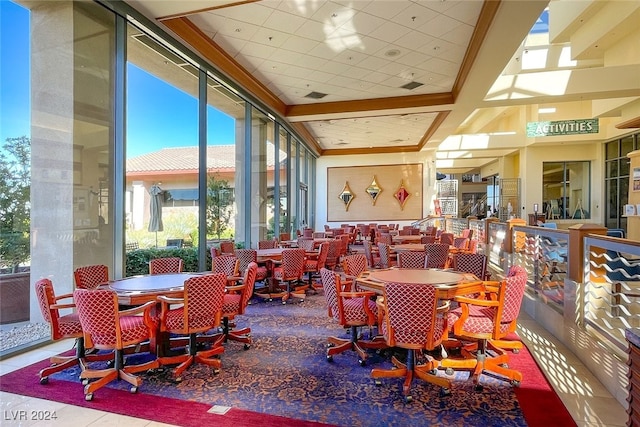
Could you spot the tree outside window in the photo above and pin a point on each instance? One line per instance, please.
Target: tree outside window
(220, 201)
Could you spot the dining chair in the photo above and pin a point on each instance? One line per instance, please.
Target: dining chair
(107, 328)
(313, 264)
(427, 239)
(267, 244)
(373, 258)
(412, 259)
(246, 257)
(386, 261)
(91, 276)
(437, 255)
(62, 327)
(285, 237)
(352, 266)
(473, 246)
(227, 247)
(475, 264)
(234, 304)
(307, 244)
(412, 319)
(227, 264)
(165, 265)
(333, 256)
(446, 238)
(290, 272)
(479, 324)
(198, 311)
(353, 310)
(461, 243)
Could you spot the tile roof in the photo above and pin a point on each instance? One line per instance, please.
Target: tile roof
(186, 158)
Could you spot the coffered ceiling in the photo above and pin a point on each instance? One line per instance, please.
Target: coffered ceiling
(365, 76)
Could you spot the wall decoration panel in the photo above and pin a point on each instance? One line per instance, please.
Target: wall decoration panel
(386, 207)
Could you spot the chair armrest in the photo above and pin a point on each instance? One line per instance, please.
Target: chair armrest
(63, 296)
(169, 300)
(477, 301)
(137, 309)
(235, 288)
(359, 294)
(61, 306)
(444, 307)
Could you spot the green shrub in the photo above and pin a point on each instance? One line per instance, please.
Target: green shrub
(137, 262)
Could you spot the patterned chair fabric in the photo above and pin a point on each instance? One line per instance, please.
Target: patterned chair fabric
(307, 244)
(487, 320)
(315, 265)
(333, 257)
(198, 311)
(215, 252)
(267, 244)
(235, 302)
(109, 329)
(290, 270)
(427, 239)
(447, 238)
(412, 259)
(461, 243)
(412, 319)
(62, 327)
(353, 310)
(437, 255)
(353, 265)
(471, 263)
(285, 236)
(91, 276)
(246, 257)
(385, 238)
(467, 233)
(227, 248)
(226, 264)
(473, 246)
(385, 256)
(165, 265)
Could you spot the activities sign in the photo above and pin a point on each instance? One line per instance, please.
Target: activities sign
(562, 127)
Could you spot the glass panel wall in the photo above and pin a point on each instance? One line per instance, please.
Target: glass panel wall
(617, 179)
(262, 134)
(285, 226)
(161, 144)
(566, 190)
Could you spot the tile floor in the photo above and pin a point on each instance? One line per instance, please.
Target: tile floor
(598, 408)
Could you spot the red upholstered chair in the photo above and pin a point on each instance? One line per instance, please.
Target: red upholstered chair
(353, 310)
(199, 310)
(427, 239)
(227, 248)
(412, 319)
(467, 232)
(106, 328)
(227, 264)
(461, 243)
(165, 265)
(437, 255)
(290, 271)
(386, 261)
(353, 265)
(484, 322)
(473, 246)
(215, 252)
(246, 257)
(333, 257)
(373, 257)
(235, 303)
(446, 238)
(412, 259)
(307, 244)
(267, 244)
(62, 326)
(471, 263)
(315, 264)
(91, 276)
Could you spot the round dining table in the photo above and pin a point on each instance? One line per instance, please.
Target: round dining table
(137, 290)
(406, 247)
(448, 283)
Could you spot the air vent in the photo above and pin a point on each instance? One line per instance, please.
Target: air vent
(411, 85)
(315, 95)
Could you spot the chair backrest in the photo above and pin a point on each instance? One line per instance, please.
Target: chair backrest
(467, 232)
(385, 255)
(330, 283)
(470, 263)
(285, 236)
(204, 296)
(227, 248)
(267, 244)
(99, 317)
(437, 255)
(245, 257)
(427, 239)
(323, 252)
(461, 242)
(249, 282)
(91, 276)
(292, 263)
(368, 253)
(226, 264)
(355, 264)
(385, 238)
(513, 294)
(308, 232)
(473, 246)
(46, 296)
(215, 252)
(165, 265)
(333, 256)
(446, 238)
(412, 259)
(344, 244)
(411, 316)
(306, 244)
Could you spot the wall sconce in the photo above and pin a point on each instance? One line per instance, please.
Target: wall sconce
(346, 196)
(374, 190)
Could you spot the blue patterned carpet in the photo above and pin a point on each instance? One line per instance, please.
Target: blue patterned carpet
(286, 373)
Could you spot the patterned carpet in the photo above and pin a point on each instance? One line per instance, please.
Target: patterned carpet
(286, 373)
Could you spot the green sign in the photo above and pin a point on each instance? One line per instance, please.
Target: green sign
(562, 127)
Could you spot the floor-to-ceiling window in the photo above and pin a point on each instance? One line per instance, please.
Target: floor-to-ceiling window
(566, 190)
(617, 179)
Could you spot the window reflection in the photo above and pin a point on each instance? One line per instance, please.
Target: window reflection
(566, 190)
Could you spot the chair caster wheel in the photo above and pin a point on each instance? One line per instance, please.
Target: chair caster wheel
(515, 383)
(247, 346)
(449, 371)
(329, 358)
(445, 392)
(378, 383)
(516, 350)
(362, 362)
(44, 380)
(178, 379)
(216, 371)
(478, 387)
(88, 397)
(85, 381)
(133, 390)
(408, 399)
(505, 365)
(433, 371)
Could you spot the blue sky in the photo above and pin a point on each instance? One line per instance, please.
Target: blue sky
(158, 115)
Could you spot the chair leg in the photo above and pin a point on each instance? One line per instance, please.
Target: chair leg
(340, 345)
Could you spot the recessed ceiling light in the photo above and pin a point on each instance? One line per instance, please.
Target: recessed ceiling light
(392, 52)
